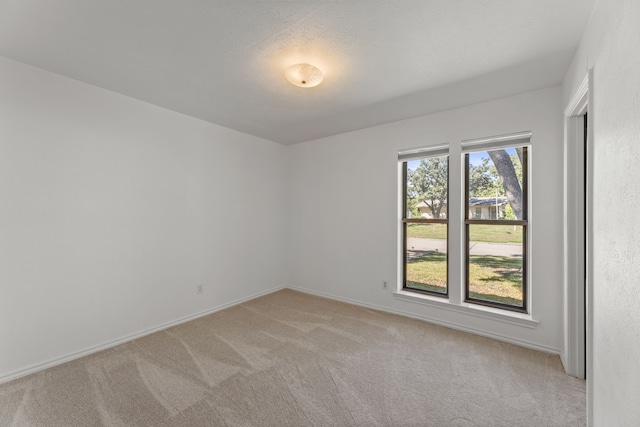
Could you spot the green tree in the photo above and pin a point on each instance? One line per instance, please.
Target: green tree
(428, 183)
(412, 206)
(483, 179)
(506, 169)
(500, 174)
(508, 213)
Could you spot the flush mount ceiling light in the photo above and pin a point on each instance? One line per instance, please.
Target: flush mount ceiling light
(304, 75)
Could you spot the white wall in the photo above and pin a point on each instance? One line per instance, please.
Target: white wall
(344, 215)
(611, 47)
(112, 210)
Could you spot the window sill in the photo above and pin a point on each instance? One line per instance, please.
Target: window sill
(504, 316)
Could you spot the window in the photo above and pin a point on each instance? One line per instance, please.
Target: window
(425, 222)
(496, 226)
(488, 217)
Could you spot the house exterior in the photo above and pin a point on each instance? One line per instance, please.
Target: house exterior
(487, 207)
(479, 208)
(425, 210)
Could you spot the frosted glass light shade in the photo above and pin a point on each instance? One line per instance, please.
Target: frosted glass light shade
(304, 75)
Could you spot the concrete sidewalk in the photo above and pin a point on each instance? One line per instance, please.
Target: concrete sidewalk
(513, 250)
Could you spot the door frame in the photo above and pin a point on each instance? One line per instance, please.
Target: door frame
(577, 355)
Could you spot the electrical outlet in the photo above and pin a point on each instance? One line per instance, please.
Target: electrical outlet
(384, 285)
(200, 289)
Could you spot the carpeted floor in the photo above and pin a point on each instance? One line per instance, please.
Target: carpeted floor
(291, 359)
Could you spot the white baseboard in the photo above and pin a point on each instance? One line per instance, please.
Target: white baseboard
(563, 359)
(78, 354)
(451, 325)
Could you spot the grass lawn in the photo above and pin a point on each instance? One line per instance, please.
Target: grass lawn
(428, 272)
(492, 278)
(478, 232)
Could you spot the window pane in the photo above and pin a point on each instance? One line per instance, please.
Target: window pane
(426, 267)
(495, 184)
(427, 188)
(496, 263)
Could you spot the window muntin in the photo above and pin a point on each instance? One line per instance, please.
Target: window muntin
(496, 227)
(425, 224)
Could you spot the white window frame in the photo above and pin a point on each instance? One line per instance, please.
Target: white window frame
(495, 143)
(455, 301)
(423, 153)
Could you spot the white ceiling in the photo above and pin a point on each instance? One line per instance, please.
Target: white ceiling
(223, 61)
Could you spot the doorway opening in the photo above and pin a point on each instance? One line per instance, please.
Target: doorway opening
(577, 242)
(585, 174)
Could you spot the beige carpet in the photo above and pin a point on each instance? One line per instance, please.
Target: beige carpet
(291, 359)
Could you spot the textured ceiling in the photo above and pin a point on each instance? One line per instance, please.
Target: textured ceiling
(224, 61)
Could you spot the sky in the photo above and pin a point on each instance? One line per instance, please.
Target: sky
(475, 158)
